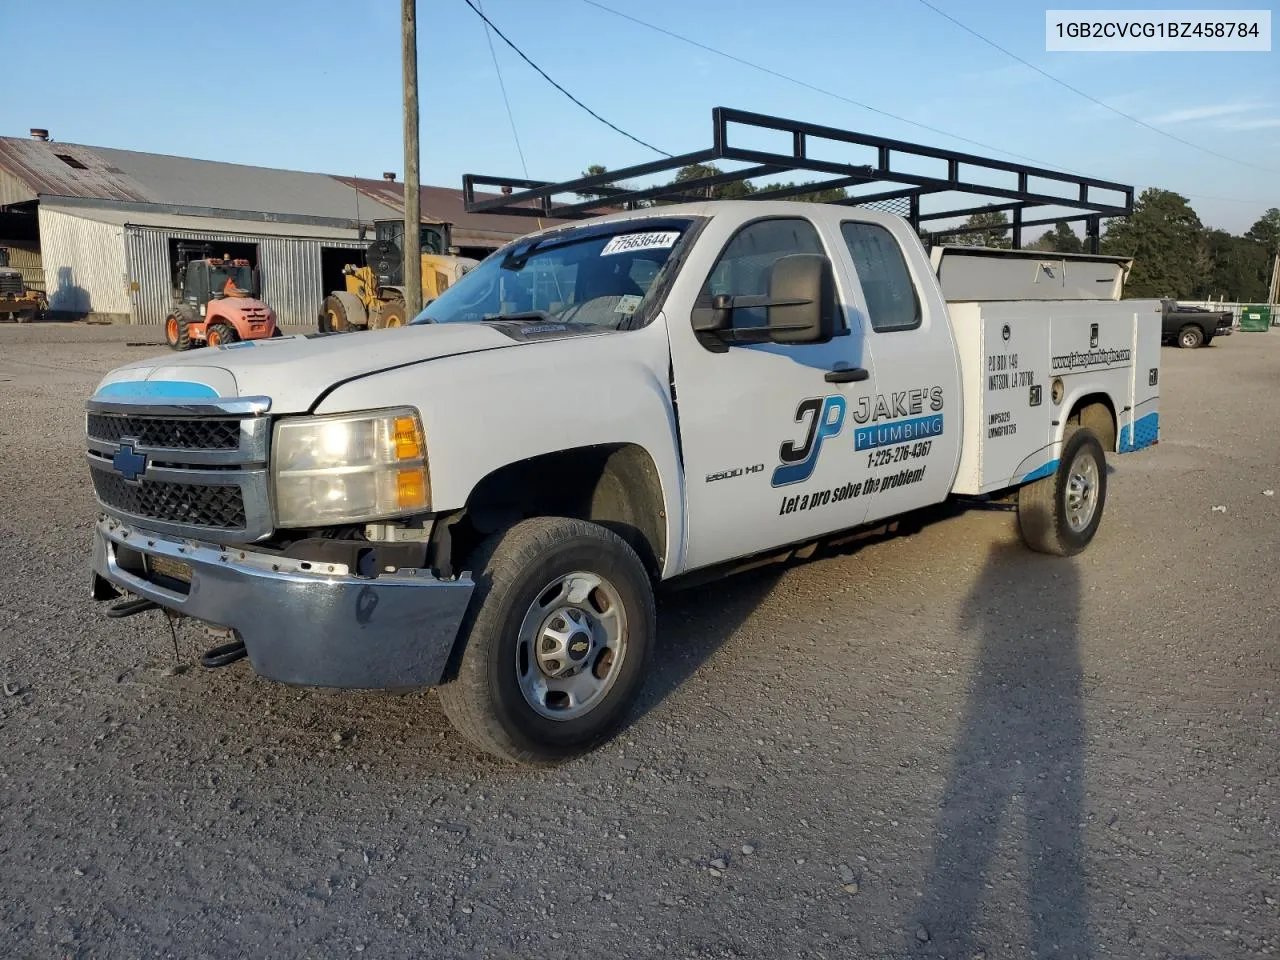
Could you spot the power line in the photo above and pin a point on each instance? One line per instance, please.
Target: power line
(837, 96)
(515, 135)
(479, 13)
(809, 86)
(1092, 99)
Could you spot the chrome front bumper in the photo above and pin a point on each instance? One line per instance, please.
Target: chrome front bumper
(301, 623)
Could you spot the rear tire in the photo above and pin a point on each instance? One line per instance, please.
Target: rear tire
(176, 332)
(1097, 417)
(220, 334)
(524, 688)
(392, 313)
(1190, 337)
(1060, 513)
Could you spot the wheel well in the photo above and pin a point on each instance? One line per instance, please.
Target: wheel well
(1097, 410)
(614, 485)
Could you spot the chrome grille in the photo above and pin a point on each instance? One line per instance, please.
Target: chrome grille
(189, 504)
(171, 432)
(191, 469)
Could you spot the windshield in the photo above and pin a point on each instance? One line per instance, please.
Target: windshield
(595, 276)
(241, 277)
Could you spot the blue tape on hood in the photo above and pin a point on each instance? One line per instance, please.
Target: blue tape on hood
(156, 390)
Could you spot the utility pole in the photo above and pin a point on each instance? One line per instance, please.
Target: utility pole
(412, 209)
(1273, 295)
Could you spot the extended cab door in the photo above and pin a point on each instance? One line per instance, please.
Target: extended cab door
(766, 438)
(907, 434)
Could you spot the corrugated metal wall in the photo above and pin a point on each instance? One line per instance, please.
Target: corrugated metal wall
(13, 190)
(26, 260)
(83, 264)
(290, 270)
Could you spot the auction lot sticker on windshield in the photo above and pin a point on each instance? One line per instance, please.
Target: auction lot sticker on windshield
(641, 241)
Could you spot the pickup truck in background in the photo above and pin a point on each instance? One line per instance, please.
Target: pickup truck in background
(485, 499)
(1192, 326)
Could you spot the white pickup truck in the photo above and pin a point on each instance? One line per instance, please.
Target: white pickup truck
(484, 500)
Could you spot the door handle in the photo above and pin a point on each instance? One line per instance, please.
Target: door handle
(846, 375)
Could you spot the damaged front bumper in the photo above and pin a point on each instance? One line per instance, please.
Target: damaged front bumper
(305, 623)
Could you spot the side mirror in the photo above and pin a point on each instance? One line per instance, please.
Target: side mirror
(802, 294)
(800, 305)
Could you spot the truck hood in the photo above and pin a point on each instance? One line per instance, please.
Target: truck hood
(295, 371)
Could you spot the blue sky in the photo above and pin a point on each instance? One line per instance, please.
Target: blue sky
(314, 85)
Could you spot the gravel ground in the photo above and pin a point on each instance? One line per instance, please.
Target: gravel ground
(931, 746)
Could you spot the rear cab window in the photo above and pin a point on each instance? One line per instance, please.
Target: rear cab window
(893, 303)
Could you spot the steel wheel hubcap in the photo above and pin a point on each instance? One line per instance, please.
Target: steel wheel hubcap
(1082, 492)
(572, 643)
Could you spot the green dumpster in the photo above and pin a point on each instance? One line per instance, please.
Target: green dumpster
(1255, 319)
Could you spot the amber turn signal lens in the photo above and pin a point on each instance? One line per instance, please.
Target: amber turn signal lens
(411, 489)
(408, 442)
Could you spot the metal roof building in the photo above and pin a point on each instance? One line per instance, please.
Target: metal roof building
(97, 228)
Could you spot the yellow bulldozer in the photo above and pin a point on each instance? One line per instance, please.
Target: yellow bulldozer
(374, 294)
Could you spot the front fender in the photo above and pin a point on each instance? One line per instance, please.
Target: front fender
(483, 411)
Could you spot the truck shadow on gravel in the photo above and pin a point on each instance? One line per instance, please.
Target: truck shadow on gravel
(1017, 766)
(694, 622)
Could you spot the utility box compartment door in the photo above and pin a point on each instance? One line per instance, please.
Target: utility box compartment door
(1004, 363)
(1139, 426)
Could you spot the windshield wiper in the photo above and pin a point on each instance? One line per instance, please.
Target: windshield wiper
(541, 316)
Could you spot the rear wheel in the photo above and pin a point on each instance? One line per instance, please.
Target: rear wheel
(1190, 337)
(555, 643)
(1060, 513)
(176, 332)
(220, 334)
(1097, 417)
(393, 314)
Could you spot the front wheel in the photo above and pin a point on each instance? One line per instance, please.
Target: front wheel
(1190, 337)
(555, 644)
(1060, 513)
(220, 334)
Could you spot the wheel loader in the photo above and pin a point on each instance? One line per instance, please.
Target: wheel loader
(374, 295)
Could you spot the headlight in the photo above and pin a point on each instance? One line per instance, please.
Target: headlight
(349, 468)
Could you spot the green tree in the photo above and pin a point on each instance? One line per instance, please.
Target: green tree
(741, 189)
(1166, 240)
(1239, 268)
(738, 190)
(1061, 239)
(1266, 231)
(594, 170)
(821, 195)
(987, 230)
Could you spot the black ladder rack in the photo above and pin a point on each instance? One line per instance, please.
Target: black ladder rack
(889, 164)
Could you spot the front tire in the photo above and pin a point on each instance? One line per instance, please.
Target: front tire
(1060, 513)
(177, 333)
(1190, 337)
(555, 644)
(220, 334)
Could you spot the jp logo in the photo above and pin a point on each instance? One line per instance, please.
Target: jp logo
(890, 419)
(825, 418)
